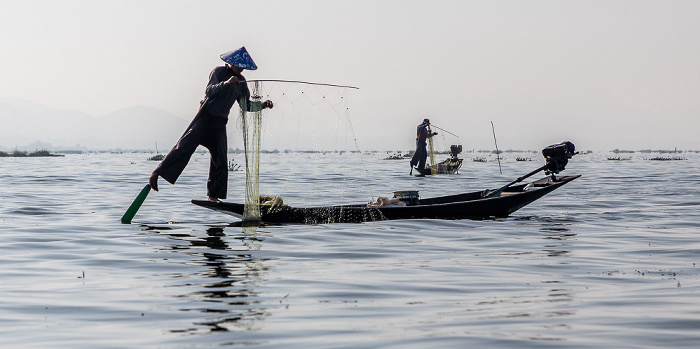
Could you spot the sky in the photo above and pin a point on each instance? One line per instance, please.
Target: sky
(603, 74)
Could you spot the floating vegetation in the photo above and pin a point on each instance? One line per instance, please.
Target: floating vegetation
(619, 159)
(24, 154)
(232, 166)
(661, 151)
(157, 157)
(665, 158)
(398, 156)
(522, 159)
(479, 159)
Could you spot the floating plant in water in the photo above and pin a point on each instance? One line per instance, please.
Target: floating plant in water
(666, 158)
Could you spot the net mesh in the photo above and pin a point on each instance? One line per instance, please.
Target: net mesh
(307, 121)
(251, 126)
(431, 154)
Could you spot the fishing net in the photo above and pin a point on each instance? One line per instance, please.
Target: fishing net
(309, 117)
(431, 154)
(251, 126)
(308, 124)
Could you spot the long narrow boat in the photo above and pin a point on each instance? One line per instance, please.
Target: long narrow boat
(499, 202)
(475, 205)
(450, 165)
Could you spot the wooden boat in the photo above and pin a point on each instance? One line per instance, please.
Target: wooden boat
(499, 202)
(474, 205)
(448, 166)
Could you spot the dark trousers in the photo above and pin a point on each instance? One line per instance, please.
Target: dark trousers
(420, 156)
(210, 132)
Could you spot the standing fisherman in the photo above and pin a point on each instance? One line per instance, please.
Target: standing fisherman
(208, 128)
(423, 132)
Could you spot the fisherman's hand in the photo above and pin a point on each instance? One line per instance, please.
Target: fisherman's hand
(233, 80)
(267, 104)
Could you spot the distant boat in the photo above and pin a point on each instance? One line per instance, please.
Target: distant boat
(450, 165)
(158, 156)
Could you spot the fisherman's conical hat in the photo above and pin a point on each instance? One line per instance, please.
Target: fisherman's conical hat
(239, 58)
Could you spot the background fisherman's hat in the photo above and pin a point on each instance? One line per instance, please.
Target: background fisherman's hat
(239, 58)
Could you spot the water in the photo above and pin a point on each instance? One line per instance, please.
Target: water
(608, 260)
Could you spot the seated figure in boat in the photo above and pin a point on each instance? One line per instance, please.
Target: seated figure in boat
(423, 132)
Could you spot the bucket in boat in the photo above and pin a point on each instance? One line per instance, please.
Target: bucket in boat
(410, 197)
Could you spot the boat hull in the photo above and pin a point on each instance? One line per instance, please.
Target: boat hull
(448, 166)
(475, 205)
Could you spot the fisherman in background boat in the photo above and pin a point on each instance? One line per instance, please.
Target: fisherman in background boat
(423, 132)
(208, 128)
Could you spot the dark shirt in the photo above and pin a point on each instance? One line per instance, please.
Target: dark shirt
(220, 96)
(422, 132)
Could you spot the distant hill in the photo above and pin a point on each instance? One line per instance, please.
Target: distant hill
(26, 124)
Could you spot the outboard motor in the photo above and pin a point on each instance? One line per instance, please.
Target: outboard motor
(557, 156)
(454, 151)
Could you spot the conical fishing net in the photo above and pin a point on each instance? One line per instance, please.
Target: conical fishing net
(431, 154)
(251, 124)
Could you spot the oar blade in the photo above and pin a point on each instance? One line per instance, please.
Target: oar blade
(131, 212)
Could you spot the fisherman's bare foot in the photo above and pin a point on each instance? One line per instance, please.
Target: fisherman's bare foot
(153, 181)
(213, 199)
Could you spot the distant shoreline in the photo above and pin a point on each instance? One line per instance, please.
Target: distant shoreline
(24, 154)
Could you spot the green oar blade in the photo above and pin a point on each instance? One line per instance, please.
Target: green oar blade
(131, 212)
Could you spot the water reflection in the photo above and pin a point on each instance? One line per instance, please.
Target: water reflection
(547, 249)
(226, 287)
(558, 233)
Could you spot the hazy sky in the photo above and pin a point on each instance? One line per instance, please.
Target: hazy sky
(604, 74)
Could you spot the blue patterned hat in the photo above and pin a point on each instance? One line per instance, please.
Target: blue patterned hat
(239, 58)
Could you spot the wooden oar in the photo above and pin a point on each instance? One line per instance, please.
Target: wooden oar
(131, 212)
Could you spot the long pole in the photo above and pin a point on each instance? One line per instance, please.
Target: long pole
(442, 129)
(498, 154)
(304, 82)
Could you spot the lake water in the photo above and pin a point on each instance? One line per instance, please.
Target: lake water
(608, 260)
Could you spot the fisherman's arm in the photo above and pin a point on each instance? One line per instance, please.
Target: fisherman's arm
(253, 106)
(217, 86)
(430, 132)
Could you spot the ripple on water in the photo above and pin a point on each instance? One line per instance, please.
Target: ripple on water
(608, 260)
